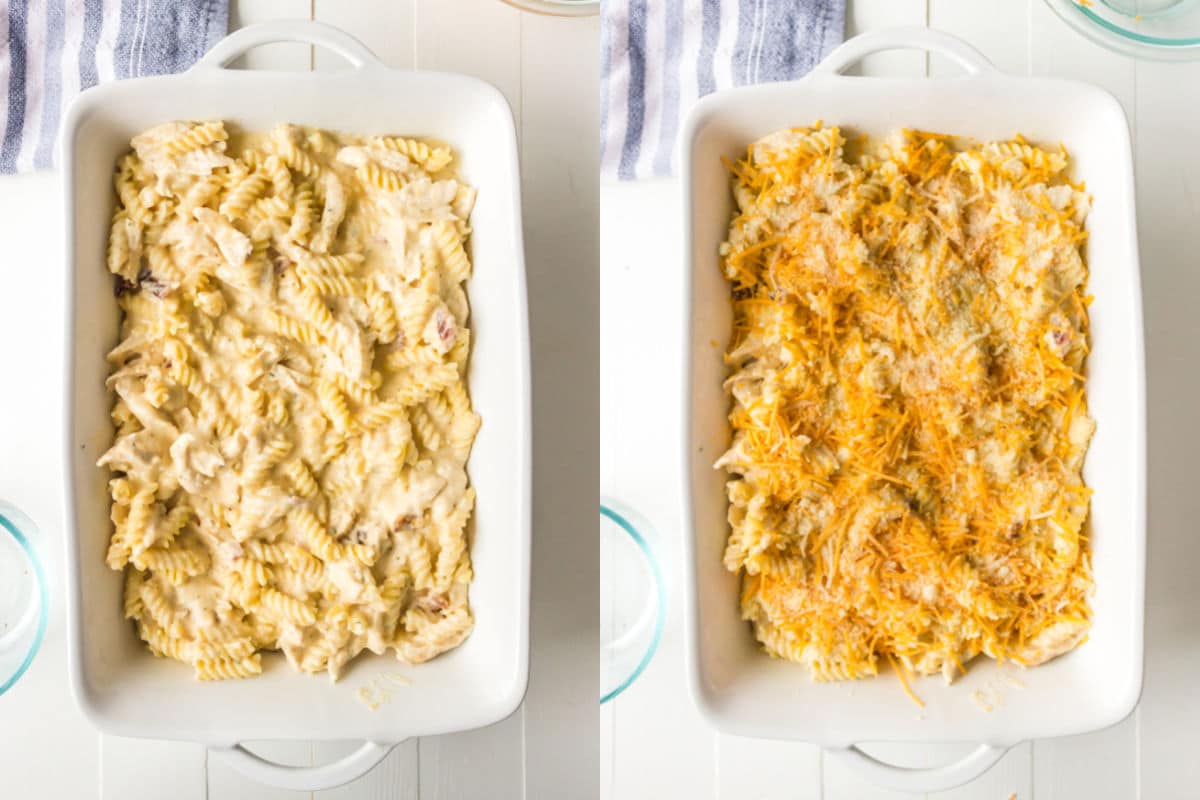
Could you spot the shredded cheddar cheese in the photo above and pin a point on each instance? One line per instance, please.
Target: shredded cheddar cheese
(906, 372)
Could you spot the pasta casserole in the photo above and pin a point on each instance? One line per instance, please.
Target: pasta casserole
(906, 373)
(292, 422)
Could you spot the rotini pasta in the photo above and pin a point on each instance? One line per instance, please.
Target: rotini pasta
(291, 422)
(909, 413)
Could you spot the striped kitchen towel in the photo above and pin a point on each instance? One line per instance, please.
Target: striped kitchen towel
(658, 56)
(50, 50)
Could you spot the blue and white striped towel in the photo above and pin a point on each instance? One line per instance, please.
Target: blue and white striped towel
(658, 56)
(50, 50)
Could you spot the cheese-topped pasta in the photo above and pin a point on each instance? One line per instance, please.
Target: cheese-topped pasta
(908, 409)
(292, 423)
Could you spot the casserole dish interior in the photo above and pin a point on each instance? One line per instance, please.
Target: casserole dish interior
(737, 686)
(120, 686)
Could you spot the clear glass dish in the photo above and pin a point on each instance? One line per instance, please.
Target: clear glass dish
(633, 598)
(1157, 30)
(24, 597)
(559, 8)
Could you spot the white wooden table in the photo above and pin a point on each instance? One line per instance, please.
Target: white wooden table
(548, 70)
(653, 743)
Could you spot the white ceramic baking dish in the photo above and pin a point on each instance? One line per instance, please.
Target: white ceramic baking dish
(118, 684)
(737, 687)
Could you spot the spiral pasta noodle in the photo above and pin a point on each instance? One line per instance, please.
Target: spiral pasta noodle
(290, 418)
(908, 405)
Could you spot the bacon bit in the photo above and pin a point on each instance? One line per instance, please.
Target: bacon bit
(447, 329)
(122, 287)
(234, 550)
(147, 281)
(435, 602)
(279, 262)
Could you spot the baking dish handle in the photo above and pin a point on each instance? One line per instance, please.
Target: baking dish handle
(918, 779)
(854, 50)
(304, 779)
(246, 39)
